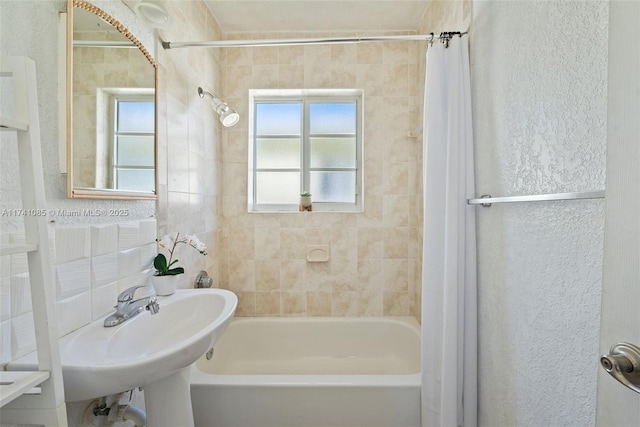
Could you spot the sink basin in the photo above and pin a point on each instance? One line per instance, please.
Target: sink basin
(98, 361)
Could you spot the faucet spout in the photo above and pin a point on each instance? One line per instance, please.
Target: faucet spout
(127, 307)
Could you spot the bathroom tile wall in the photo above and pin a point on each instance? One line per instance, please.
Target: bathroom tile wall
(372, 254)
(188, 136)
(91, 264)
(375, 256)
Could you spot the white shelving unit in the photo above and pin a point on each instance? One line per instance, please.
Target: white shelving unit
(33, 397)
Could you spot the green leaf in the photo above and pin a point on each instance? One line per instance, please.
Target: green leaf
(174, 271)
(160, 263)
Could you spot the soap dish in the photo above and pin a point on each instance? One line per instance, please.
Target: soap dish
(317, 253)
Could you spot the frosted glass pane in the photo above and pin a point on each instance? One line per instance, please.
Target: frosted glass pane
(277, 187)
(136, 150)
(333, 152)
(278, 119)
(136, 180)
(332, 118)
(136, 116)
(333, 186)
(278, 153)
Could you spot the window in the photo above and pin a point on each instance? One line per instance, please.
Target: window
(305, 141)
(133, 155)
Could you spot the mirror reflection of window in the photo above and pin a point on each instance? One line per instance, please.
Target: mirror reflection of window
(133, 144)
(111, 101)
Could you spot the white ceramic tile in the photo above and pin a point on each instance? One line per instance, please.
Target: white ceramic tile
(5, 298)
(72, 243)
(129, 262)
(23, 335)
(178, 169)
(104, 239)
(51, 233)
(5, 266)
(5, 341)
(103, 299)
(104, 269)
(147, 254)
(17, 238)
(128, 235)
(73, 313)
(72, 278)
(20, 294)
(136, 280)
(147, 231)
(19, 264)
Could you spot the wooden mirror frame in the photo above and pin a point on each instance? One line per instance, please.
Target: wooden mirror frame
(87, 193)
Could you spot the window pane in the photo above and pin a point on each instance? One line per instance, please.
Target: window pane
(135, 150)
(278, 119)
(277, 187)
(332, 118)
(136, 116)
(136, 179)
(333, 186)
(274, 153)
(333, 152)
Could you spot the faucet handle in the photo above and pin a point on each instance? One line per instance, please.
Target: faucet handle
(153, 305)
(127, 294)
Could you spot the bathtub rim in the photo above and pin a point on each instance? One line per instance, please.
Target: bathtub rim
(200, 378)
(408, 321)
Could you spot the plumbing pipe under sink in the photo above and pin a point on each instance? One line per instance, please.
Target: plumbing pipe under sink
(129, 413)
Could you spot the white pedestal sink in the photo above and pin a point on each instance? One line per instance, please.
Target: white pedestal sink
(150, 351)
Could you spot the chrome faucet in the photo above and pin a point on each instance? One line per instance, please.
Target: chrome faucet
(127, 307)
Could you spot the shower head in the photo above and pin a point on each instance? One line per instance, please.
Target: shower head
(228, 117)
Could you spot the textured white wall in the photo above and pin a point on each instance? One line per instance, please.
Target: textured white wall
(539, 79)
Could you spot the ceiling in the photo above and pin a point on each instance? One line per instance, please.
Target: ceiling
(317, 15)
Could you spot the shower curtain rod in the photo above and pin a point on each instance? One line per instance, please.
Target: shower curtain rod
(486, 200)
(309, 41)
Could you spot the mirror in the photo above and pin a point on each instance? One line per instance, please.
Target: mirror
(111, 114)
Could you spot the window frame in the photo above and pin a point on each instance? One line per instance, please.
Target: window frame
(306, 97)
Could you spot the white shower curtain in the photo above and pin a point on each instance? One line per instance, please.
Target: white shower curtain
(449, 296)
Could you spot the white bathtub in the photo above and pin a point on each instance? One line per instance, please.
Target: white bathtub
(311, 372)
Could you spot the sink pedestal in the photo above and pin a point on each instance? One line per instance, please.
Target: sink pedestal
(168, 401)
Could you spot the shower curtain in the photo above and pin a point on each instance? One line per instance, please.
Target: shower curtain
(449, 311)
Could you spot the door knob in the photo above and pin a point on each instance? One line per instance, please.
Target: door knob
(623, 363)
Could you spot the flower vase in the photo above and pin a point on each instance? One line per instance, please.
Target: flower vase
(165, 285)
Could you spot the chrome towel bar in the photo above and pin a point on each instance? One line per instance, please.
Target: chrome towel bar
(487, 200)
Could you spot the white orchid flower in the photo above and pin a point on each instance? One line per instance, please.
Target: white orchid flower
(169, 244)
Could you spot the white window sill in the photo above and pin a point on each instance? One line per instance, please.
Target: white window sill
(317, 208)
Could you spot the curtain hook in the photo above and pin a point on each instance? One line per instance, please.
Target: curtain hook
(431, 41)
